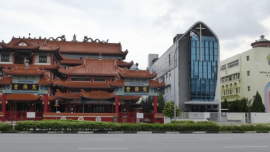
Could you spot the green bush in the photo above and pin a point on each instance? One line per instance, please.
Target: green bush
(183, 122)
(73, 125)
(5, 126)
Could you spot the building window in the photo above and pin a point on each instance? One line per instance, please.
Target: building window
(169, 59)
(5, 57)
(43, 59)
(99, 79)
(236, 90)
(223, 67)
(248, 88)
(248, 58)
(233, 64)
(80, 79)
(248, 73)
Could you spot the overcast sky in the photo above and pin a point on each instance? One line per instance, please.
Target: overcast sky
(142, 26)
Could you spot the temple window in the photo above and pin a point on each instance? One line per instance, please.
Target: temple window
(99, 80)
(5, 57)
(80, 79)
(43, 59)
(22, 44)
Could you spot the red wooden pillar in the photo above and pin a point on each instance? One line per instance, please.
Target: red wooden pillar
(116, 104)
(45, 103)
(67, 107)
(155, 105)
(4, 104)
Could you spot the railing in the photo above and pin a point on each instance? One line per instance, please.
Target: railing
(21, 116)
(131, 117)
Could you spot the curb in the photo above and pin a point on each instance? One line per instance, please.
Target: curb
(135, 132)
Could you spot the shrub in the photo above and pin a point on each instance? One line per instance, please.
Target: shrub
(5, 126)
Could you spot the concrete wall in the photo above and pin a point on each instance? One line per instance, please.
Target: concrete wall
(260, 117)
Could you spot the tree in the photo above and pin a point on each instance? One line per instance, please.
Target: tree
(161, 103)
(168, 110)
(257, 105)
(224, 104)
(244, 105)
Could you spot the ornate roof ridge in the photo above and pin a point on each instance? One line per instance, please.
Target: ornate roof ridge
(97, 94)
(60, 94)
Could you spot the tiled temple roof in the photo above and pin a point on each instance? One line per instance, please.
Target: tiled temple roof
(50, 98)
(94, 67)
(45, 81)
(5, 80)
(22, 97)
(71, 61)
(60, 94)
(31, 71)
(80, 84)
(156, 84)
(138, 74)
(67, 46)
(46, 67)
(32, 44)
(97, 95)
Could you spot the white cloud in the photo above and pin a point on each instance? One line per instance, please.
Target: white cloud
(141, 26)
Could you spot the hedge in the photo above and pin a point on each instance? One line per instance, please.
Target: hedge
(72, 125)
(5, 126)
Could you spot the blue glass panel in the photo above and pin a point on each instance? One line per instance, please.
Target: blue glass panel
(211, 51)
(212, 87)
(207, 88)
(215, 45)
(198, 86)
(203, 86)
(193, 57)
(216, 52)
(196, 69)
(211, 45)
(215, 58)
(206, 44)
(200, 69)
(203, 44)
(209, 70)
(193, 50)
(193, 43)
(203, 54)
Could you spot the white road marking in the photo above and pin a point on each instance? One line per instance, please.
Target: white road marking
(102, 148)
(246, 147)
(103, 139)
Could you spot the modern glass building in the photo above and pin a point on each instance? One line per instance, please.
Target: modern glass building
(203, 68)
(190, 70)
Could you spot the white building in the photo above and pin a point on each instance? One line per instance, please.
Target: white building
(244, 74)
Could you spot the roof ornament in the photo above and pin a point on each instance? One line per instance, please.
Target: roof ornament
(262, 38)
(86, 39)
(137, 69)
(63, 38)
(100, 57)
(29, 36)
(74, 38)
(26, 64)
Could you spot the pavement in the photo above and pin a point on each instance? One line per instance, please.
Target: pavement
(134, 142)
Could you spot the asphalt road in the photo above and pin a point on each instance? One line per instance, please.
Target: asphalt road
(134, 142)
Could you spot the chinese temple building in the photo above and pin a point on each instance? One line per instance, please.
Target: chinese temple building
(57, 79)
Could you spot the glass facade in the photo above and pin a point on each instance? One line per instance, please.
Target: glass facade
(203, 74)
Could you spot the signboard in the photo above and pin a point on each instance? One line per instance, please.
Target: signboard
(81, 118)
(139, 115)
(196, 115)
(134, 89)
(25, 86)
(234, 116)
(98, 119)
(63, 118)
(30, 115)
